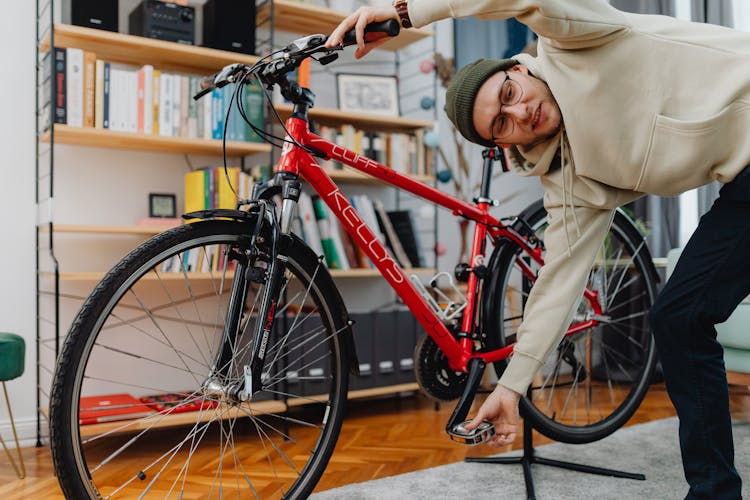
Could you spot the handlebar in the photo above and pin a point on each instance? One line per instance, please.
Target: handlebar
(275, 70)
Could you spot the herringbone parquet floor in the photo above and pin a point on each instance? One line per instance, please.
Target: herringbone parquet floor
(380, 437)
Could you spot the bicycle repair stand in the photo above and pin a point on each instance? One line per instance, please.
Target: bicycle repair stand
(529, 457)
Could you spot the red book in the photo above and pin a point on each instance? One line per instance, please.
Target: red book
(177, 403)
(109, 407)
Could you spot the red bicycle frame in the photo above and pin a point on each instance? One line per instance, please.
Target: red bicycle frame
(299, 162)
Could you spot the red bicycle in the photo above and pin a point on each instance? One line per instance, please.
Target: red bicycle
(236, 332)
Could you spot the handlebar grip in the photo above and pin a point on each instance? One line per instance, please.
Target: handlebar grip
(206, 85)
(373, 31)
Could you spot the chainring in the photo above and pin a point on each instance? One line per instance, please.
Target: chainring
(433, 372)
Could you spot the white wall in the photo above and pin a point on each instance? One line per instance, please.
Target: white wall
(17, 290)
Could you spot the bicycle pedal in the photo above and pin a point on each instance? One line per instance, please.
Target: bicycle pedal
(483, 432)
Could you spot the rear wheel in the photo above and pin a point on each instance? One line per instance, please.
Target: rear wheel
(152, 329)
(596, 379)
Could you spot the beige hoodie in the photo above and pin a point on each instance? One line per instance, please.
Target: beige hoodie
(650, 104)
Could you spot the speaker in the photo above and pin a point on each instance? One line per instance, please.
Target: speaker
(229, 25)
(100, 14)
(163, 21)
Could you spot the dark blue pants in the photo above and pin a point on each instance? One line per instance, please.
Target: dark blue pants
(709, 281)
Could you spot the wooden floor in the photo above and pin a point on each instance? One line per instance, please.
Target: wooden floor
(380, 437)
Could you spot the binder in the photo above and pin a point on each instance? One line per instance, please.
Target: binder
(386, 362)
(363, 340)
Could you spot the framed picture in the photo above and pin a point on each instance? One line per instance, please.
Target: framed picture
(372, 94)
(162, 205)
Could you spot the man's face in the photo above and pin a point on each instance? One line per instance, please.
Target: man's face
(531, 117)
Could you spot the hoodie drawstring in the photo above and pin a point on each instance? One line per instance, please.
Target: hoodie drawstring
(567, 161)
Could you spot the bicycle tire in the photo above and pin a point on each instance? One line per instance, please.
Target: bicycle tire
(625, 384)
(276, 445)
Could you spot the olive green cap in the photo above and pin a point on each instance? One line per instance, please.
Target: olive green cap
(462, 90)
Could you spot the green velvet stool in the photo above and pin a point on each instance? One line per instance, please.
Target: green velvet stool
(12, 351)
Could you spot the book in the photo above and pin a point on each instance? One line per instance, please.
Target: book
(89, 88)
(165, 104)
(61, 115)
(406, 230)
(106, 95)
(110, 407)
(74, 86)
(392, 240)
(195, 191)
(99, 94)
(333, 260)
(156, 97)
(177, 403)
(309, 223)
(225, 197)
(338, 241)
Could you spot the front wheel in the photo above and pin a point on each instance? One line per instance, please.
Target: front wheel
(596, 379)
(153, 330)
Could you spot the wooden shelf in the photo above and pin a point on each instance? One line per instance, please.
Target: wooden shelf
(92, 229)
(355, 176)
(260, 407)
(333, 116)
(137, 50)
(305, 18)
(89, 276)
(94, 137)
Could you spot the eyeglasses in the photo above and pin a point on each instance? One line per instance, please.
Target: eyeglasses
(510, 93)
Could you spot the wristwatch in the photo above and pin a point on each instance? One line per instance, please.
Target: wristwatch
(403, 13)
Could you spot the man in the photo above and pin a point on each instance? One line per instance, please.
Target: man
(614, 106)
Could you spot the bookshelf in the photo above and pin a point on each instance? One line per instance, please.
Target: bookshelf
(54, 274)
(258, 408)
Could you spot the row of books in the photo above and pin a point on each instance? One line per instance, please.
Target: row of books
(213, 187)
(91, 92)
(323, 232)
(403, 152)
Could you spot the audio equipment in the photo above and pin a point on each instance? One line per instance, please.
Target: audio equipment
(229, 25)
(164, 21)
(100, 14)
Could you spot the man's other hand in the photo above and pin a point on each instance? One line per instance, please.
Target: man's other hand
(501, 409)
(358, 20)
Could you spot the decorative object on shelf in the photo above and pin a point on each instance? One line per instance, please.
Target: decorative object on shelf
(368, 94)
(441, 248)
(162, 205)
(444, 176)
(427, 66)
(426, 103)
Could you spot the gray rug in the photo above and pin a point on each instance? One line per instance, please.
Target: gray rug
(651, 449)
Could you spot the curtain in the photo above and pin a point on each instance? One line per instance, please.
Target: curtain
(714, 12)
(662, 214)
(665, 7)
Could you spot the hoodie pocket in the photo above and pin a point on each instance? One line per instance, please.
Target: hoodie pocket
(683, 153)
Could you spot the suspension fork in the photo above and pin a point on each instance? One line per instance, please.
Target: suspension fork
(222, 365)
(280, 245)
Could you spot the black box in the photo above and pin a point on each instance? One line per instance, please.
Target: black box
(386, 362)
(229, 25)
(99, 14)
(409, 331)
(363, 340)
(316, 361)
(163, 21)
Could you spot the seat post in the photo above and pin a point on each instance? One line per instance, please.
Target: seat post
(22, 472)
